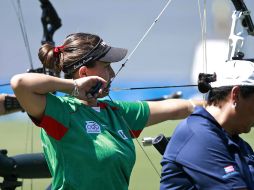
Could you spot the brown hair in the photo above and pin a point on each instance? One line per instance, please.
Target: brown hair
(75, 46)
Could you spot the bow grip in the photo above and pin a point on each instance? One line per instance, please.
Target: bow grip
(95, 89)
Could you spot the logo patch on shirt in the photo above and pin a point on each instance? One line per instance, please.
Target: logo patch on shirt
(92, 127)
(121, 133)
(229, 170)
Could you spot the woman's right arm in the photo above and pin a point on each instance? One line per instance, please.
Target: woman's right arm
(31, 89)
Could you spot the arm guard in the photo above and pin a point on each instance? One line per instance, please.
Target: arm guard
(11, 104)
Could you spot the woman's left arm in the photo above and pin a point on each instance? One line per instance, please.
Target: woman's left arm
(171, 109)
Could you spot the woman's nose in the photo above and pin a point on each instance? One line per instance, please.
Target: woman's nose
(112, 72)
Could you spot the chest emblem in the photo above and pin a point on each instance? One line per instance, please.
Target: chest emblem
(121, 133)
(92, 127)
(229, 171)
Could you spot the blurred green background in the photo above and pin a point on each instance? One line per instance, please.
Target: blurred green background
(16, 136)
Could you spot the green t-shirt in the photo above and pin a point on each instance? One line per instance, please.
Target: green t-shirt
(91, 148)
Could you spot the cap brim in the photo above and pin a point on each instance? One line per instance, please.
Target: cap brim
(236, 73)
(231, 82)
(114, 55)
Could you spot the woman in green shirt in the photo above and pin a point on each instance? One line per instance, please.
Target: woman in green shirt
(87, 141)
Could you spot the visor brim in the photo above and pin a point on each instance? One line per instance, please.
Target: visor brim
(114, 55)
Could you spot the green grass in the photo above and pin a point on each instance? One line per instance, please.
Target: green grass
(15, 135)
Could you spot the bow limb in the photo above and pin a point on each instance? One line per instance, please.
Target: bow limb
(247, 20)
(50, 21)
(241, 16)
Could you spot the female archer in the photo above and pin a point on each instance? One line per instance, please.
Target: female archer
(88, 141)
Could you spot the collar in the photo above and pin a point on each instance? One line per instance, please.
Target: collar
(234, 141)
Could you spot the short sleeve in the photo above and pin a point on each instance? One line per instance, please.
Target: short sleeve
(136, 114)
(56, 119)
(58, 107)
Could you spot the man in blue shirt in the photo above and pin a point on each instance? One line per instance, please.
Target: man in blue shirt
(205, 151)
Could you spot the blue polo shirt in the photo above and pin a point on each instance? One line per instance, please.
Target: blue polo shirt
(201, 155)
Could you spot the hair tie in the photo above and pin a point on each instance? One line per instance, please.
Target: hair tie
(57, 50)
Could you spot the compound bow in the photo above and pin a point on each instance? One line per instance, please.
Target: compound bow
(30, 166)
(241, 20)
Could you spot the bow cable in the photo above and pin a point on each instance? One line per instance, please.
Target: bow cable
(136, 139)
(203, 26)
(18, 11)
(141, 40)
(203, 22)
(127, 59)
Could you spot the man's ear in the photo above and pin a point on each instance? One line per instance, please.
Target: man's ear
(235, 93)
(82, 71)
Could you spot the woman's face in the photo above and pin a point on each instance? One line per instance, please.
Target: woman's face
(245, 113)
(103, 70)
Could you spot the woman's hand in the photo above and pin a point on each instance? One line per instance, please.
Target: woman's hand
(90, 87)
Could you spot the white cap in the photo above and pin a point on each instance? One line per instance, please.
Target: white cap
(235, 73)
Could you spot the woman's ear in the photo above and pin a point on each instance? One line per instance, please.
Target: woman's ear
(82, 71)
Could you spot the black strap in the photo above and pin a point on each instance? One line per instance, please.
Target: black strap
(11, 104)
